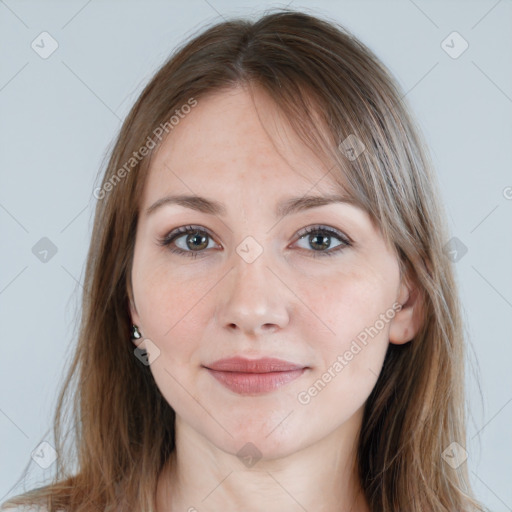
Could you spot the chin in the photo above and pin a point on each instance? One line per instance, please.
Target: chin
(262, 440)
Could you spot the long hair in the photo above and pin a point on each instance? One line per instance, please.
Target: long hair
(339, 98)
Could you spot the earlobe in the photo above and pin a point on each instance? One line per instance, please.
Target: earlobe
(136, 336)
(134, 322)
(408, 320)
(133, 313)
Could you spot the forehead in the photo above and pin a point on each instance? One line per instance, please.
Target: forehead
(231, 139)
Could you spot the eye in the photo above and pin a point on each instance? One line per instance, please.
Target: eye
(191, 241)
(187, 240)
(320, 239)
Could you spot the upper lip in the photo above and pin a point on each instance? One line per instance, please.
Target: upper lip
(263, 365)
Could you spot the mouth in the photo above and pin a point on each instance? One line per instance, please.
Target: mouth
(254, 376)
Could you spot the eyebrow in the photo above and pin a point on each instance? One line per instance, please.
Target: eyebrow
(286, 207)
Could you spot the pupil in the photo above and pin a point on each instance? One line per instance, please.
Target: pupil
(322, 245)
(197, 241)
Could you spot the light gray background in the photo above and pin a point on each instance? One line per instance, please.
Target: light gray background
(60, 114)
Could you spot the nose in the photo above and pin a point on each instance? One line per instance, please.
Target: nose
(253, 300)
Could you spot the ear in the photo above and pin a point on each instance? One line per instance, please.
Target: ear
(134, 318)
(408, 320)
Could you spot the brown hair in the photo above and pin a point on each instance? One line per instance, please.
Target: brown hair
(329, 86)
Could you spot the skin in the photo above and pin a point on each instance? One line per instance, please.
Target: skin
(286, 304)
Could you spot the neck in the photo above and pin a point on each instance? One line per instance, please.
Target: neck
(321, 477)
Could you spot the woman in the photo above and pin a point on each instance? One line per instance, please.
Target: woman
(269, 321)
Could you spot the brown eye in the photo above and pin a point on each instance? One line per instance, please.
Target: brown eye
(196, 241)
(188, 241)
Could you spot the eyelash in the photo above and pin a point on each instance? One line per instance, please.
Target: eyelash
(177, 233)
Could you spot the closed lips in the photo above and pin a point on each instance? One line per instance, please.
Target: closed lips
(254, 376)
(262, 365)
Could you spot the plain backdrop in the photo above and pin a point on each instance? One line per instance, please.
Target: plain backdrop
(61, 112)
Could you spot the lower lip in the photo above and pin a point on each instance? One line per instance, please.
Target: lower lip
(255, 383)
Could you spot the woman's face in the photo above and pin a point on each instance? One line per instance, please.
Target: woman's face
(250, 285)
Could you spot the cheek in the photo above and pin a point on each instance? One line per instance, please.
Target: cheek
(349, 355)
(344, 304)
(173, 302)
(348, 333)
(175, 310)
